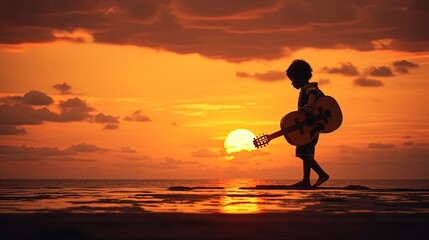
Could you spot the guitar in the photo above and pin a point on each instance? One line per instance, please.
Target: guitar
(299, 129)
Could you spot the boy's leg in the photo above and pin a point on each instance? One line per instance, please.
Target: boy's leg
(306, 167)
(323, 176)
(306, 153)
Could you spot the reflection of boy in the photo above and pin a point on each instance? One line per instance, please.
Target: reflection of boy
(300, 72)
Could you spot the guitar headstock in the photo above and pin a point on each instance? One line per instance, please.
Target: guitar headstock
(261, 141)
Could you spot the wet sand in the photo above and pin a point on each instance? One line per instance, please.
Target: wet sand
(214, 226)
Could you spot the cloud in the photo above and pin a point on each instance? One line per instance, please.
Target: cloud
(22, 114)
(111, 126)
(138, 117)
(367, 82)
(102, 118)
(380, 146)
(128, 150)
(36, 98)
(10, 99)
(11, 130)
(270, 76)
(19, 110)
(204, 109)
(245, 156)
(386, 160)
(82, 147)
(229, 30)
(346, 68)
(381, 71)
(24, 153)
(403, 66)
(75, 109)
(222, 9)
(64, 88)
(170, 162)
(324, 81)
(32, 97)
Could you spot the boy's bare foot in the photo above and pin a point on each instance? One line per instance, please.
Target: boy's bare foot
(301, 184)
(321, 180)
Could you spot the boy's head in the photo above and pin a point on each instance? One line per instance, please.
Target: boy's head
(299, 72)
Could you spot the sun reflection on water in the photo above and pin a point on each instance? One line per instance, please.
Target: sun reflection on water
(237, 200)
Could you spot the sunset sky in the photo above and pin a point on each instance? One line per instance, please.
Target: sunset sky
(151, 89)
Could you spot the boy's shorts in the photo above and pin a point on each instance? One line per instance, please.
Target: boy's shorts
(307, 150)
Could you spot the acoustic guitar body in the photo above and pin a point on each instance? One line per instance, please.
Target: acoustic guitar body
(299, 129)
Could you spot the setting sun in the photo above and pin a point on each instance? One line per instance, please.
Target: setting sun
(239, 140)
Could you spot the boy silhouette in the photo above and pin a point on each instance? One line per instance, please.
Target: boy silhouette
(300, 72)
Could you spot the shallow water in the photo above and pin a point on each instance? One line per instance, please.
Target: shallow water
(211, 196)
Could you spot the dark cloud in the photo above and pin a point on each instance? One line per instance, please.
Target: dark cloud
(138, 117)
(10, 99)
(345, 68)
(386, 160)
(17, 110)
(381, 71)
(221, 9)
(102, 118)
(64, 88)
(24, 153)
(11, 130)
(128, 150)
(23, 114)
(82, 147)
(111, 126)
(270, 76)
(75, 109)
(32, 97)
(403, 66)
(367, 82)
(36, 98)
(229, 30)
(380, 146)
(169, 162)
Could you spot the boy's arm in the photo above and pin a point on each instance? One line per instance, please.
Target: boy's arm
(309, 107)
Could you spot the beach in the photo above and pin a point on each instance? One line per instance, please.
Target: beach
(214, 226)
(212, 209)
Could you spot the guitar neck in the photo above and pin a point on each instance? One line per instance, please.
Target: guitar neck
(276, 134)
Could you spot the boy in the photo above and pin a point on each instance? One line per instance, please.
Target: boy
(300, 72)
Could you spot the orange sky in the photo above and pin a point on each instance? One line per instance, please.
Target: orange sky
(151, 89)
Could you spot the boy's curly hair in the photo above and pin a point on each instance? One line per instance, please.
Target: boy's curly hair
(299, 69)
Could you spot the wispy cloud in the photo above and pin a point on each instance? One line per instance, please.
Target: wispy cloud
(269, 76)
(204, 109)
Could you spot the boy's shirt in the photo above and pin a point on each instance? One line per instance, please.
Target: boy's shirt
(305, 93)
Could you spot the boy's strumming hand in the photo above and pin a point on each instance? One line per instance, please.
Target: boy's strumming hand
(308, 109)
